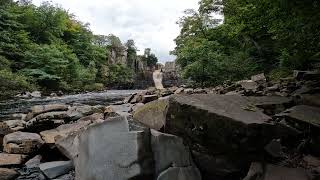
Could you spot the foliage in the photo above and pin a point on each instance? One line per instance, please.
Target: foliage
(119, 74)
(254, 36)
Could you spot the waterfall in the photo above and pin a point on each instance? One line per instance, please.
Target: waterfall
(157, 78)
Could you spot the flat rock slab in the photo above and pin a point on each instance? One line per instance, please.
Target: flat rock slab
(8, 174)
(39, 109)
(109, 151)
(11, 159)
(7, 127)
(302, 113)
(222, 123)
(56, 168)
(22, 143)
(271, 104)
(185, 173)
(258, 171)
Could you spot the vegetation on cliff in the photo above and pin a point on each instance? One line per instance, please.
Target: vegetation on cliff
(46, 47)
(270, 36)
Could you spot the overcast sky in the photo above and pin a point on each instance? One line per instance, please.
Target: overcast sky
(151, 23)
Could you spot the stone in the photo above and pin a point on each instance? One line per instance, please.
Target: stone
(136, 106)
(274, 148)
(222, 123)
(311, 161)
(31, 174)
(129, 98)
(259, 78)
(39, 109)
(56, 168)
(77, 112)
(69, 145)
(303, 114)
(11, 159)
(40, 121)
(188, 91)
(258, 171)
(36, 94)
(271, 105)
(96, 117)
(118, 110)
(180, 173)
(18, 116)
(248, 85)
(11, 126)
(275, 87)
(169, 150)
(114, 153)
(306, 75)
(149, 98)
(179, 91)
(22, 143)
(34, 162)
(152, 114)
(50, 136)
(8, 174)
(308, 99)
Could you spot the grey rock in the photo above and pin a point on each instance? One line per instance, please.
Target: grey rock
(11, 126)
(248, 85)
(22, 143)
(259, 78)
(271, 104)
(169, 150)
(274, 148)
(308, 99)
(125, 154)
(149, 98)
(77, 112)
(56, 168)
(69, 146)
(34, 162)
(178, 173)
(303, 114)
(31, 174)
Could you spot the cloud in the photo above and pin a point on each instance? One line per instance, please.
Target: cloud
(151, 23)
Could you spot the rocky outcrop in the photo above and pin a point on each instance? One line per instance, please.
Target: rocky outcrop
(8, 174)
(11, 159)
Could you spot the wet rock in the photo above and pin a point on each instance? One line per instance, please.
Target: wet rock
(56, 168)
(8, 174)
(270, 172)
(34, 162)
(125, 155)
(22, 143)
(303, 114)
(39, 109)
(152, 114)
(169, 150)
(271, 104)
(51, 136)
(11, 159)
(180, 173)
(10, 126)
(129, 98)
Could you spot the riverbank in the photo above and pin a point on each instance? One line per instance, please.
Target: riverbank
(250, 130)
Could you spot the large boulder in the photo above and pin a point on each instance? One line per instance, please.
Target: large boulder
(11, 159)
(259, 171)
(46, 120)
(109, 151)
(152, 114)
(22, 143)
(77, 112)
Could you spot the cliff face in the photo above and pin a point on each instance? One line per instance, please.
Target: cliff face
(170, 74)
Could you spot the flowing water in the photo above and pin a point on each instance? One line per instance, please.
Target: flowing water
(157, 78)
(101, 98)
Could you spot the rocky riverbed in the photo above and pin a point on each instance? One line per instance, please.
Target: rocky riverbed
(250, 130)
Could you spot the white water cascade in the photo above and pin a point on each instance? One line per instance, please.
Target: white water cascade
(157, 78)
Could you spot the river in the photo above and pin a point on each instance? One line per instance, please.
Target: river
(101, 98)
